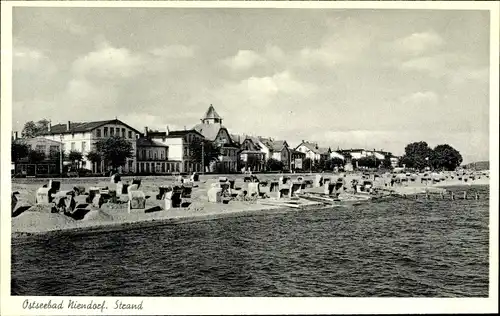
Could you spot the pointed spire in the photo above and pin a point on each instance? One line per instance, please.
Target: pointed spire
(211, 116)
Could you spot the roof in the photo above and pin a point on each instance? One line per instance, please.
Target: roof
(209, 131)
(183, 132)
(211, 113)
(255, 141)
(314, 148)
(81, 127)
(237, 138)
(147, 142)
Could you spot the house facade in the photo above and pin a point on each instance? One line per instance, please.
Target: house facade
(251, 155)
(212, 130)
(180, 156)
(277, 149)
(82, 137)
(313, 151)
(152, 156)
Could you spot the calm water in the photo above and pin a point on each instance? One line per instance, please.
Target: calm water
(394, 248)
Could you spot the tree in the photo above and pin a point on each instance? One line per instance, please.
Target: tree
(94, 157)
(35, 156)
(210, 151)
(19, 150)
(417, 155)
(307, 164)
(32, 129)
(274, 164)
(369, 162)
(75, 156)
(115, 150)
(387, 163)
(445, 157)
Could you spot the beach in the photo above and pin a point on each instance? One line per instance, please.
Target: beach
(114, 216)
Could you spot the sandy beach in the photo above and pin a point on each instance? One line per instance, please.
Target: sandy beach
(39, 220)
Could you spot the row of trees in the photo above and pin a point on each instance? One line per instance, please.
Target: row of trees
(419, 155)
(113, 151)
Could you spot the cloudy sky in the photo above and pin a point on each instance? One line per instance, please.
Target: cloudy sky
(343, 78)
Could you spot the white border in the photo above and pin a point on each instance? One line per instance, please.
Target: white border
(190, 306)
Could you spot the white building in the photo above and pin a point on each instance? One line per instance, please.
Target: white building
(180, 157)
(82, 137)
(313, 151)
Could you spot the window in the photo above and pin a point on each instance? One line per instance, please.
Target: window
(98, 132)
(105, 132)
(155, 156)
(40, 148)
(129, 134)
(111, 131)
(123, 132)
(73, 146)
(162, 156)
(143, 154)
(149, 154)
(84, 145)
(117, 131)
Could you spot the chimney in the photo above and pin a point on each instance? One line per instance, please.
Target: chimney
(16, 135)
(145, 131)
(69, 125)
(167, 130)
(49, 127)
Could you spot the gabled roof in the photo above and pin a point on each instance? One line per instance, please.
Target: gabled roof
(82, 127)
(254, 140)
(314, 148)
(184, 132)
(209, 131)
(148, 142)
(237, 138)
(211, 113)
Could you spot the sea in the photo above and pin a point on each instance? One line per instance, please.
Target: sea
(394, 248)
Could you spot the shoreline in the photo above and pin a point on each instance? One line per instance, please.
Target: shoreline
(39, 222)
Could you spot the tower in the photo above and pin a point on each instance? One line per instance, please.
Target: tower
(211, 116)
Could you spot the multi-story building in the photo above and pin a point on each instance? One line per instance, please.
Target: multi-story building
(181, 156)
(252, 156)
(152, 156)
(82, 137)
(277, 149)
(313, 151)
(212, 129)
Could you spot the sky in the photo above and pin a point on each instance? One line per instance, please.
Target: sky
(342, 78)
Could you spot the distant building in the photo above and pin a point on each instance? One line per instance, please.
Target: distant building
(277, 149)
(152, 156)
(212, 129)
(180, 156)
(82, 137)
(313, 151)
(47, 146)
(252, 156)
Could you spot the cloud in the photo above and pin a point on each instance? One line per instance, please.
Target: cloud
(244, 60)
(426, 97)
(174, 51)
(418, 43)
(108, 62)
